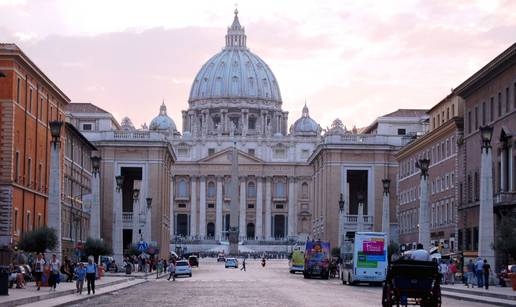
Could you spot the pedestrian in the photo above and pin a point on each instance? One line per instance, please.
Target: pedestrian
(39, 265)
(80, 272)
(479, 272)
(452, 271)
(66, 269)
(91, 274)
(486, 269)
(55, 277)
(443, 268)
(470, 277)
(172, 271)
(243, 266)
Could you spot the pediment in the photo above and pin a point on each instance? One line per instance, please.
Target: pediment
(223, 157)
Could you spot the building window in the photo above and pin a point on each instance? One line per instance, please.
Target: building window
(280, 189)
(251, 123)
(484, 113)
(39, 220)
(40, 177)
(279, 153)
(470, 189)
(476, 118)
(212, 189)
(250, 206)
(304, 190)
(17, 166)
(211, 206)
(402, 131)
(453, 110)
(181, 205)
(183, 188)
(251, 190)
(16, 221)
(18, 89)
(469, 121)
(29, 226)
(30, 101)
(251, 151)
(87, 127)
(477, 187)
(499, 104)
(211, 151)
(514, 95)
(491, 109)
(182, 152)
(29, 172)
(279, 206)
(447, 113)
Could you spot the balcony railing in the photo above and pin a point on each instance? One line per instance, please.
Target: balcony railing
(127, 219)
(504, 198)
(351, 222)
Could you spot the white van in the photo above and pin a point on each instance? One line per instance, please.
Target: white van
(364, 259)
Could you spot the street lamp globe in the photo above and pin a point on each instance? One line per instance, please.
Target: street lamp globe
(119, 182)
(386, 185)
(55, 129)
(341, 202)
(423, 165)
(486, 133)
(136, 194)
(95, 164)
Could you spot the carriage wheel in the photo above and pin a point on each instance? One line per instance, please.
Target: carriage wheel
(387, 295)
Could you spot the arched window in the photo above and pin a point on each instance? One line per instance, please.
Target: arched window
(182, 188)
(280, 189)
(251, 190)
(212, 190)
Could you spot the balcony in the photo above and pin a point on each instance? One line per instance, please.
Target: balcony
(504, 199)
(127, 220)
(351, 223)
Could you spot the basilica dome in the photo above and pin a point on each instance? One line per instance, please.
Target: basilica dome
(235, 72)
(163, 122)
(305, 125)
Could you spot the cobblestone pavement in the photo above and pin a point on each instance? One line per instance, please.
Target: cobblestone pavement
(213, 285)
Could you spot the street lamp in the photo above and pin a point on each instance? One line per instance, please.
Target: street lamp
(486, 133)
(95, 164)
(341, 202)
(149, 202)
(423, 165)
(136, 194)
(55, 131)
(119, 182)
(386, 185)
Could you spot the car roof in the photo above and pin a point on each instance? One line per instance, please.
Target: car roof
(192, 256)
(182, 261)
(230, 258)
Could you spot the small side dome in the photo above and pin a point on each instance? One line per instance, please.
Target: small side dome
(162, 122)
(305, 126)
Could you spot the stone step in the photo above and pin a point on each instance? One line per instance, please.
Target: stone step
(489, 301)
(485, 293)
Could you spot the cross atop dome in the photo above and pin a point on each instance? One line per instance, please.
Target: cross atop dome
(236, 38)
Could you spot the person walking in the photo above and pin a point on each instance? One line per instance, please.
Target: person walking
(243, 266)
(54, 273)
(452, 269)
(80, 272)
(91, 274)
(39, 265)
(443, 268)
(486, 269)
(172, 271)
(479, 272)
(470, 274)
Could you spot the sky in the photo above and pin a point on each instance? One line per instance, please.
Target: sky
(353, 60)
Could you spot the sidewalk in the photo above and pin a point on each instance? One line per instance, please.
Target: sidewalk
(139, 275)
(30, 295)
(496, 296)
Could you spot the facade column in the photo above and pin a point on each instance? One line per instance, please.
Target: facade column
(291, 207)
(511, 171)
(171, 214)
(193, 206)
(95, 206)
(259, 208)
(486, 216)
(223, 120)
(117, 235)
(243, 208)
(54, 194)
(202, 207)
(268, 208)
(424, 220)
(218, 209)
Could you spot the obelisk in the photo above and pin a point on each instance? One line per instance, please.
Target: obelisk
(234, 204)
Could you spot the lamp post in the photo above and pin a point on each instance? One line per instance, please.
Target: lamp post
(424, 220)
(54, 180)
(486, 217)
(144, 215)
(117, 238)
(94, 228)
(386, 209)
(341, 218)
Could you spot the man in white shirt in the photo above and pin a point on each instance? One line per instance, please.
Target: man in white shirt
(420, 254)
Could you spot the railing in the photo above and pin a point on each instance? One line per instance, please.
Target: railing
(504, 198)
(131, 134)
(351, 222)
(127, 219)
(374, 139)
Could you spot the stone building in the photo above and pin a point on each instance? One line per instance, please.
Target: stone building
(490, 99)
(29, 100)
(75, 209)
(439, 145)
(354, 164)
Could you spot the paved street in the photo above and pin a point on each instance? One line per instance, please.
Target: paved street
(214, 285)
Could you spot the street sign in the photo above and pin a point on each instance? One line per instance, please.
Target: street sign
(142, 246)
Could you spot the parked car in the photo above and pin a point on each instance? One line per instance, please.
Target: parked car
(183, 268)
(193, 261)
(221, 257)
(231, 263)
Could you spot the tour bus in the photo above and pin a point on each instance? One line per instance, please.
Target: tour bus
(364, 258)
(297, 261)
(317, 259)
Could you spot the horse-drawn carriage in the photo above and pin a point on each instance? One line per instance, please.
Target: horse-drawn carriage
(412, 282)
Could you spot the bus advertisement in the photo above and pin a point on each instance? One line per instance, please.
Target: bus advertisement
(317, 259)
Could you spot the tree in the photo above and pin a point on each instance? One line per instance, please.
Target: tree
(505, 240)
(39, 240)
(335, 252)
(96, 248)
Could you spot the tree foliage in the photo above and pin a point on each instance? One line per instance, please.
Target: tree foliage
(96, 248)
(39, 240)
(505, 240)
